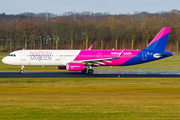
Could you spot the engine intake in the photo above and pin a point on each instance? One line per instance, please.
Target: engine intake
(74, 67)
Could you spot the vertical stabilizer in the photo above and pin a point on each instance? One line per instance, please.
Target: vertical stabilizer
(159, 41)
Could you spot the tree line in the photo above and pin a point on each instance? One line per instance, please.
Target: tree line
(80, 30)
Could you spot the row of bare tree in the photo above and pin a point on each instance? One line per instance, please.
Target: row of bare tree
(112, 31)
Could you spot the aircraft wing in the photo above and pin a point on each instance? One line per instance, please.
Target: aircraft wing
(99, 61)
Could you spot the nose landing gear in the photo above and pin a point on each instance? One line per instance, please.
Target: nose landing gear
(22, 71)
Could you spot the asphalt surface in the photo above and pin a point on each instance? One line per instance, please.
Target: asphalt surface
(80, 75)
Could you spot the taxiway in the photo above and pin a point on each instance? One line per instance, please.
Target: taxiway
(80, 75)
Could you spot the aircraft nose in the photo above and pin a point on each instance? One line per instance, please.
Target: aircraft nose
(4, 60)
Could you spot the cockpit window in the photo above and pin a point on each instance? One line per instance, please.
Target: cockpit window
(12, 55)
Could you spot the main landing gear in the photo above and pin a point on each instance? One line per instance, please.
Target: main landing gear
(84, 71)
(90, 71)
(22, 71)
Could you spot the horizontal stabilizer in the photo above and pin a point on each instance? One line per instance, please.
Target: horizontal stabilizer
(165, 54)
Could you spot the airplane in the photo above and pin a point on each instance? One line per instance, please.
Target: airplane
(84, 60)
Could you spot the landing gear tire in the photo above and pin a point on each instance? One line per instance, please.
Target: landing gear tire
(21, 71)
(90, 71)
(84, 71)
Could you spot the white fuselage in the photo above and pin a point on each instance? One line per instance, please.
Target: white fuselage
(41, 57)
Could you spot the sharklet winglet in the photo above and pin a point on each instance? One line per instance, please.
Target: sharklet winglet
(90, 48)
(120, 54)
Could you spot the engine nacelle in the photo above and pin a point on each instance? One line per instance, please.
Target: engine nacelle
(61, 67)
(74, 67)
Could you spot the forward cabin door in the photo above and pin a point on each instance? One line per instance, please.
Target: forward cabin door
(23, 58)
(57, 57)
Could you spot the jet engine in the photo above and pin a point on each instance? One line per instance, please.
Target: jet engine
(74, 67)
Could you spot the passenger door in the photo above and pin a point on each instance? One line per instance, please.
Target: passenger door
(23, 58)
(99, 56)
(57, 57)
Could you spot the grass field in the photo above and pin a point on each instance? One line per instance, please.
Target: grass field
(90, 99)
(3, 55)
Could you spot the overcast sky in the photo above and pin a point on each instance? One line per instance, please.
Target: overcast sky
(111, 6)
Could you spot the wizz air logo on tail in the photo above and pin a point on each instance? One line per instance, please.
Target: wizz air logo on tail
(41, 55)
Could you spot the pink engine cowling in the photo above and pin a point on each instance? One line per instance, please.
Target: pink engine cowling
(74, 67)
